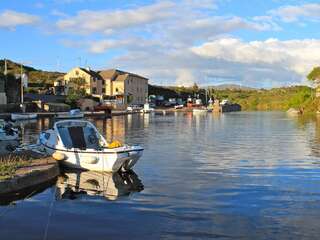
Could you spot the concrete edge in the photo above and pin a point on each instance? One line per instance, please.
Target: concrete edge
(35, 177)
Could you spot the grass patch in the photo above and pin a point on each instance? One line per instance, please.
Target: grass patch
(9, 164)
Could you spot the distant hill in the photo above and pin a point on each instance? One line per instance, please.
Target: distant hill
(36, 77)
(231, 87)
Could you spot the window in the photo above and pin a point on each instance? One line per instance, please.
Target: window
(94, 90)
(103, 82)
(117, 90)
(94, 79)
(77, 72)
(103, 90)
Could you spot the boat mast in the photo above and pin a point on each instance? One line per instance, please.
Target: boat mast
(21, 82)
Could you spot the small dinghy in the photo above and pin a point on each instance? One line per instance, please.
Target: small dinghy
(8, 132)
(23, 116)
(200, 110)
(73, 114)
(78, 144)
(147, 108)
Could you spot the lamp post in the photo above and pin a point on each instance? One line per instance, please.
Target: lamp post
(21, 84)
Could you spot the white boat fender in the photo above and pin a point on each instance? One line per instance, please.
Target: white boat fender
(59, 156)
(91, 160)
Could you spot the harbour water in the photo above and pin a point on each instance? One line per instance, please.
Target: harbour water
(246, 175)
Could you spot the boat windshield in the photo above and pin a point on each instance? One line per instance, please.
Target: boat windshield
(79, 136)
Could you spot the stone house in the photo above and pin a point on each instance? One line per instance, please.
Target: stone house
(128, 87)
(93, 81)
(113, 84)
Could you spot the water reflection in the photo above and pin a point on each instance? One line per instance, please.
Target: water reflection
(236, 175)
(78, 184)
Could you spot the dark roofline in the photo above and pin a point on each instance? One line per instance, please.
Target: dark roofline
(120, 72)
(92, 73)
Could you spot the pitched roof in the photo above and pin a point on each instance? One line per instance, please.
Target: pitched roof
(117, 75)
(91, 72)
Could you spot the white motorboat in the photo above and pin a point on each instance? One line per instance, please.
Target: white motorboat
(8, 132)
(23, 116)
(199, 110)
(75, 184)
(72, 114)
(78, 144)
(147, 108)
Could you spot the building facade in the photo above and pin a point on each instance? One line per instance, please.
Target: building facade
(92, 80)
(124, 87)
(127, 87)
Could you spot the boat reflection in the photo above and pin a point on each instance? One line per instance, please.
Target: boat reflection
(78, 184)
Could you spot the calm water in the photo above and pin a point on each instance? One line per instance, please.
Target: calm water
(234, 176)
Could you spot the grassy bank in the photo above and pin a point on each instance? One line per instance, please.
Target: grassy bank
(276, 99)
(9, 164)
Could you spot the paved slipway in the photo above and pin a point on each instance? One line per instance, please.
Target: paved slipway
(40, 171)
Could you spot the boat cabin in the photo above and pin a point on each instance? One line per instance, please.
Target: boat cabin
(79, 134)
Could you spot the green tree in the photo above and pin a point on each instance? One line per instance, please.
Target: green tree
(195, 88)
(314, 75)
(77, 90)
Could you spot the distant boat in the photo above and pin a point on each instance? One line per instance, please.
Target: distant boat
(8, 132)
(78, 144)
(23, 116)
(147, 108)
(200, 110)
(72, 114)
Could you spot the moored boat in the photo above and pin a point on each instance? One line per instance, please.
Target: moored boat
(23, 116)
(199, 110)
(147, 108)
(8, 132)
(78, 144)
(72, 114)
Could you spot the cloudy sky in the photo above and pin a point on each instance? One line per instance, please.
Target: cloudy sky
(255, 43)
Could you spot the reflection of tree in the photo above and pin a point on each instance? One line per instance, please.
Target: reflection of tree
(315, 141)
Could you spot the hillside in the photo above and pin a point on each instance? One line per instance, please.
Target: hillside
(230, 87)
(252, 99)
(37, 78)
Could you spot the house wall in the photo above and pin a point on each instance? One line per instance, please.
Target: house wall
(3, 96)
(137, 88)
(78, 73)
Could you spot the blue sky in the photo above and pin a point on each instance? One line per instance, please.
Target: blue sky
(249, 42)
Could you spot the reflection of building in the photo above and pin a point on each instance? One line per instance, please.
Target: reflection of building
(90, 183)
(125, 87)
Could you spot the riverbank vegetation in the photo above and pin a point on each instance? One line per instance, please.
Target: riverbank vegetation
(9, 164)
(280, 99)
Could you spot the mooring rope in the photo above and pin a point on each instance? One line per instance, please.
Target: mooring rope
(45, 236)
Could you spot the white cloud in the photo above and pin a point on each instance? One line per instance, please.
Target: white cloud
(295, 55)
(11, 19)
(292, 13)
(159, 41)
(87, 22)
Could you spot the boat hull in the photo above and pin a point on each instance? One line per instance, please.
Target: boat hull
(68, 116)
(99, 161)
(16, 117)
